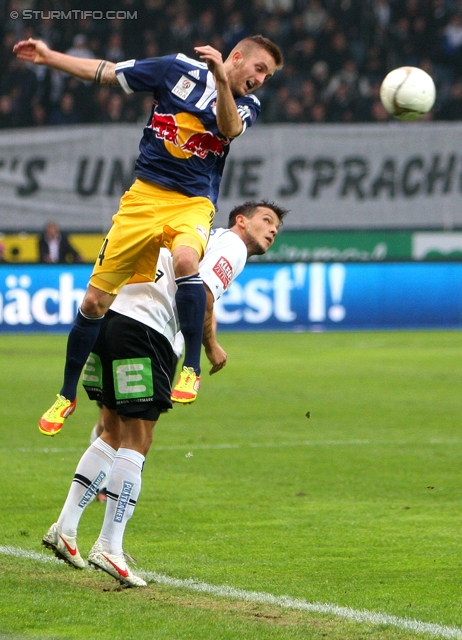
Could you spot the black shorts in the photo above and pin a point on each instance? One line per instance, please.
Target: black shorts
(130, 368)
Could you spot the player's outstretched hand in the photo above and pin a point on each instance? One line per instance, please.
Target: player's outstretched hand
(32, 51)
(214, 61)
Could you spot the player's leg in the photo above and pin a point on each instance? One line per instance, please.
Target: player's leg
(178, 348)
(190, 301)
(81, 338)
(99, 426)
(187, 243)
(124, 486)
(95, 433)
(130, 343)
(132, 231)
(92, 470)
(83, 335)
(185, 224)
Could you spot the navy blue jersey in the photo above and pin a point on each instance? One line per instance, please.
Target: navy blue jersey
(181, 147)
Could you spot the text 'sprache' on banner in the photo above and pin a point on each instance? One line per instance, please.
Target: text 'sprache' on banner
(371, 176)
(292, 297)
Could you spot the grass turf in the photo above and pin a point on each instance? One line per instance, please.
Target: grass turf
(357, 506)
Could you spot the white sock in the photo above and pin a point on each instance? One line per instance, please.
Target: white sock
(123, 489)
(93, 468)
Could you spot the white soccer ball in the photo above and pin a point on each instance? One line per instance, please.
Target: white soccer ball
(407, 93)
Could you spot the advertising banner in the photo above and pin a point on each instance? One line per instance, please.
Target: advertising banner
(318, 296)
(295, 297)
(339, 246)
(371, 176)
(290, 246)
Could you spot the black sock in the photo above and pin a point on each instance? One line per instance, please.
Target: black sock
(80, 341)
(191, 301)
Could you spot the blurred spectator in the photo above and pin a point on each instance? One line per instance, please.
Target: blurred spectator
(79, 47)
(276, 107)
(39, 115)
(114, 109)
(452, 40)
(293, 111)
(151, 49)
(55, 248)
(179, 35)
(279, 6)
(382, 13)
(318, 113)
(307, 97)
(7, 115)
(320, 75)
(439, 14)
(234, 31)
(274, 29)
(114, 50)
(2, 253)
(204, 28)
(102, 96)
(65, 112)
(314, 17)
(304, 54)
(377, 112)
(337, 53)
(347, 76)
(20, 84)
(341, 105)
(421, 39)
(452, 110)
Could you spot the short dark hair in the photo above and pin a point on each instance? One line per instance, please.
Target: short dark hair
(247, 209)
(264, 43)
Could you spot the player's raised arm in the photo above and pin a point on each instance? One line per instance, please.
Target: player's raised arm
(216, 355)
(38, 52)
(228, 119)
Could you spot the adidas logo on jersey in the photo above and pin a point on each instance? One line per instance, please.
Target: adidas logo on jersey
(195, 73)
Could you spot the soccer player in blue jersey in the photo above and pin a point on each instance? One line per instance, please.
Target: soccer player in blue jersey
(198, 109)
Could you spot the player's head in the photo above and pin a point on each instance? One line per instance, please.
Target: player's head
(257, 224)
(252, 61)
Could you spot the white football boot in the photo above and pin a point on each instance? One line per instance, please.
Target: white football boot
(64, 547)
(116, 566)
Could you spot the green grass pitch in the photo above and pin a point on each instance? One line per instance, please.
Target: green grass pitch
(358, 506)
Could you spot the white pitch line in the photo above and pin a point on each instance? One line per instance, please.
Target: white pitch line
(286, 602)
(250, 445)
(181, 447)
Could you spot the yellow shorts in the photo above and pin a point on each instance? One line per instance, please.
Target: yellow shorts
(149, 216)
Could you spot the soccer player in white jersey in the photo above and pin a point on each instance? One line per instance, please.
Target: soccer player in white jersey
(129, 371)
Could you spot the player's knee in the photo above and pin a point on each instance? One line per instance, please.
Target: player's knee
(93, 309)
(96, 303)
(185, 261)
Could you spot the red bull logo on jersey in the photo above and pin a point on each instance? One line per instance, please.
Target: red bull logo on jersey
(184, 136)
(200, 144)
(165, 127)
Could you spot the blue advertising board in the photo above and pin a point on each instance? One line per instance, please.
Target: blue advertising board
(312, 297)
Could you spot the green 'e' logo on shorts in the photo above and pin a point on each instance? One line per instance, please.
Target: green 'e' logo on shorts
(133, 378)
(93, 372)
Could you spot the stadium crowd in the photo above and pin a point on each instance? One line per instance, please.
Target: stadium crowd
(336, 54)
